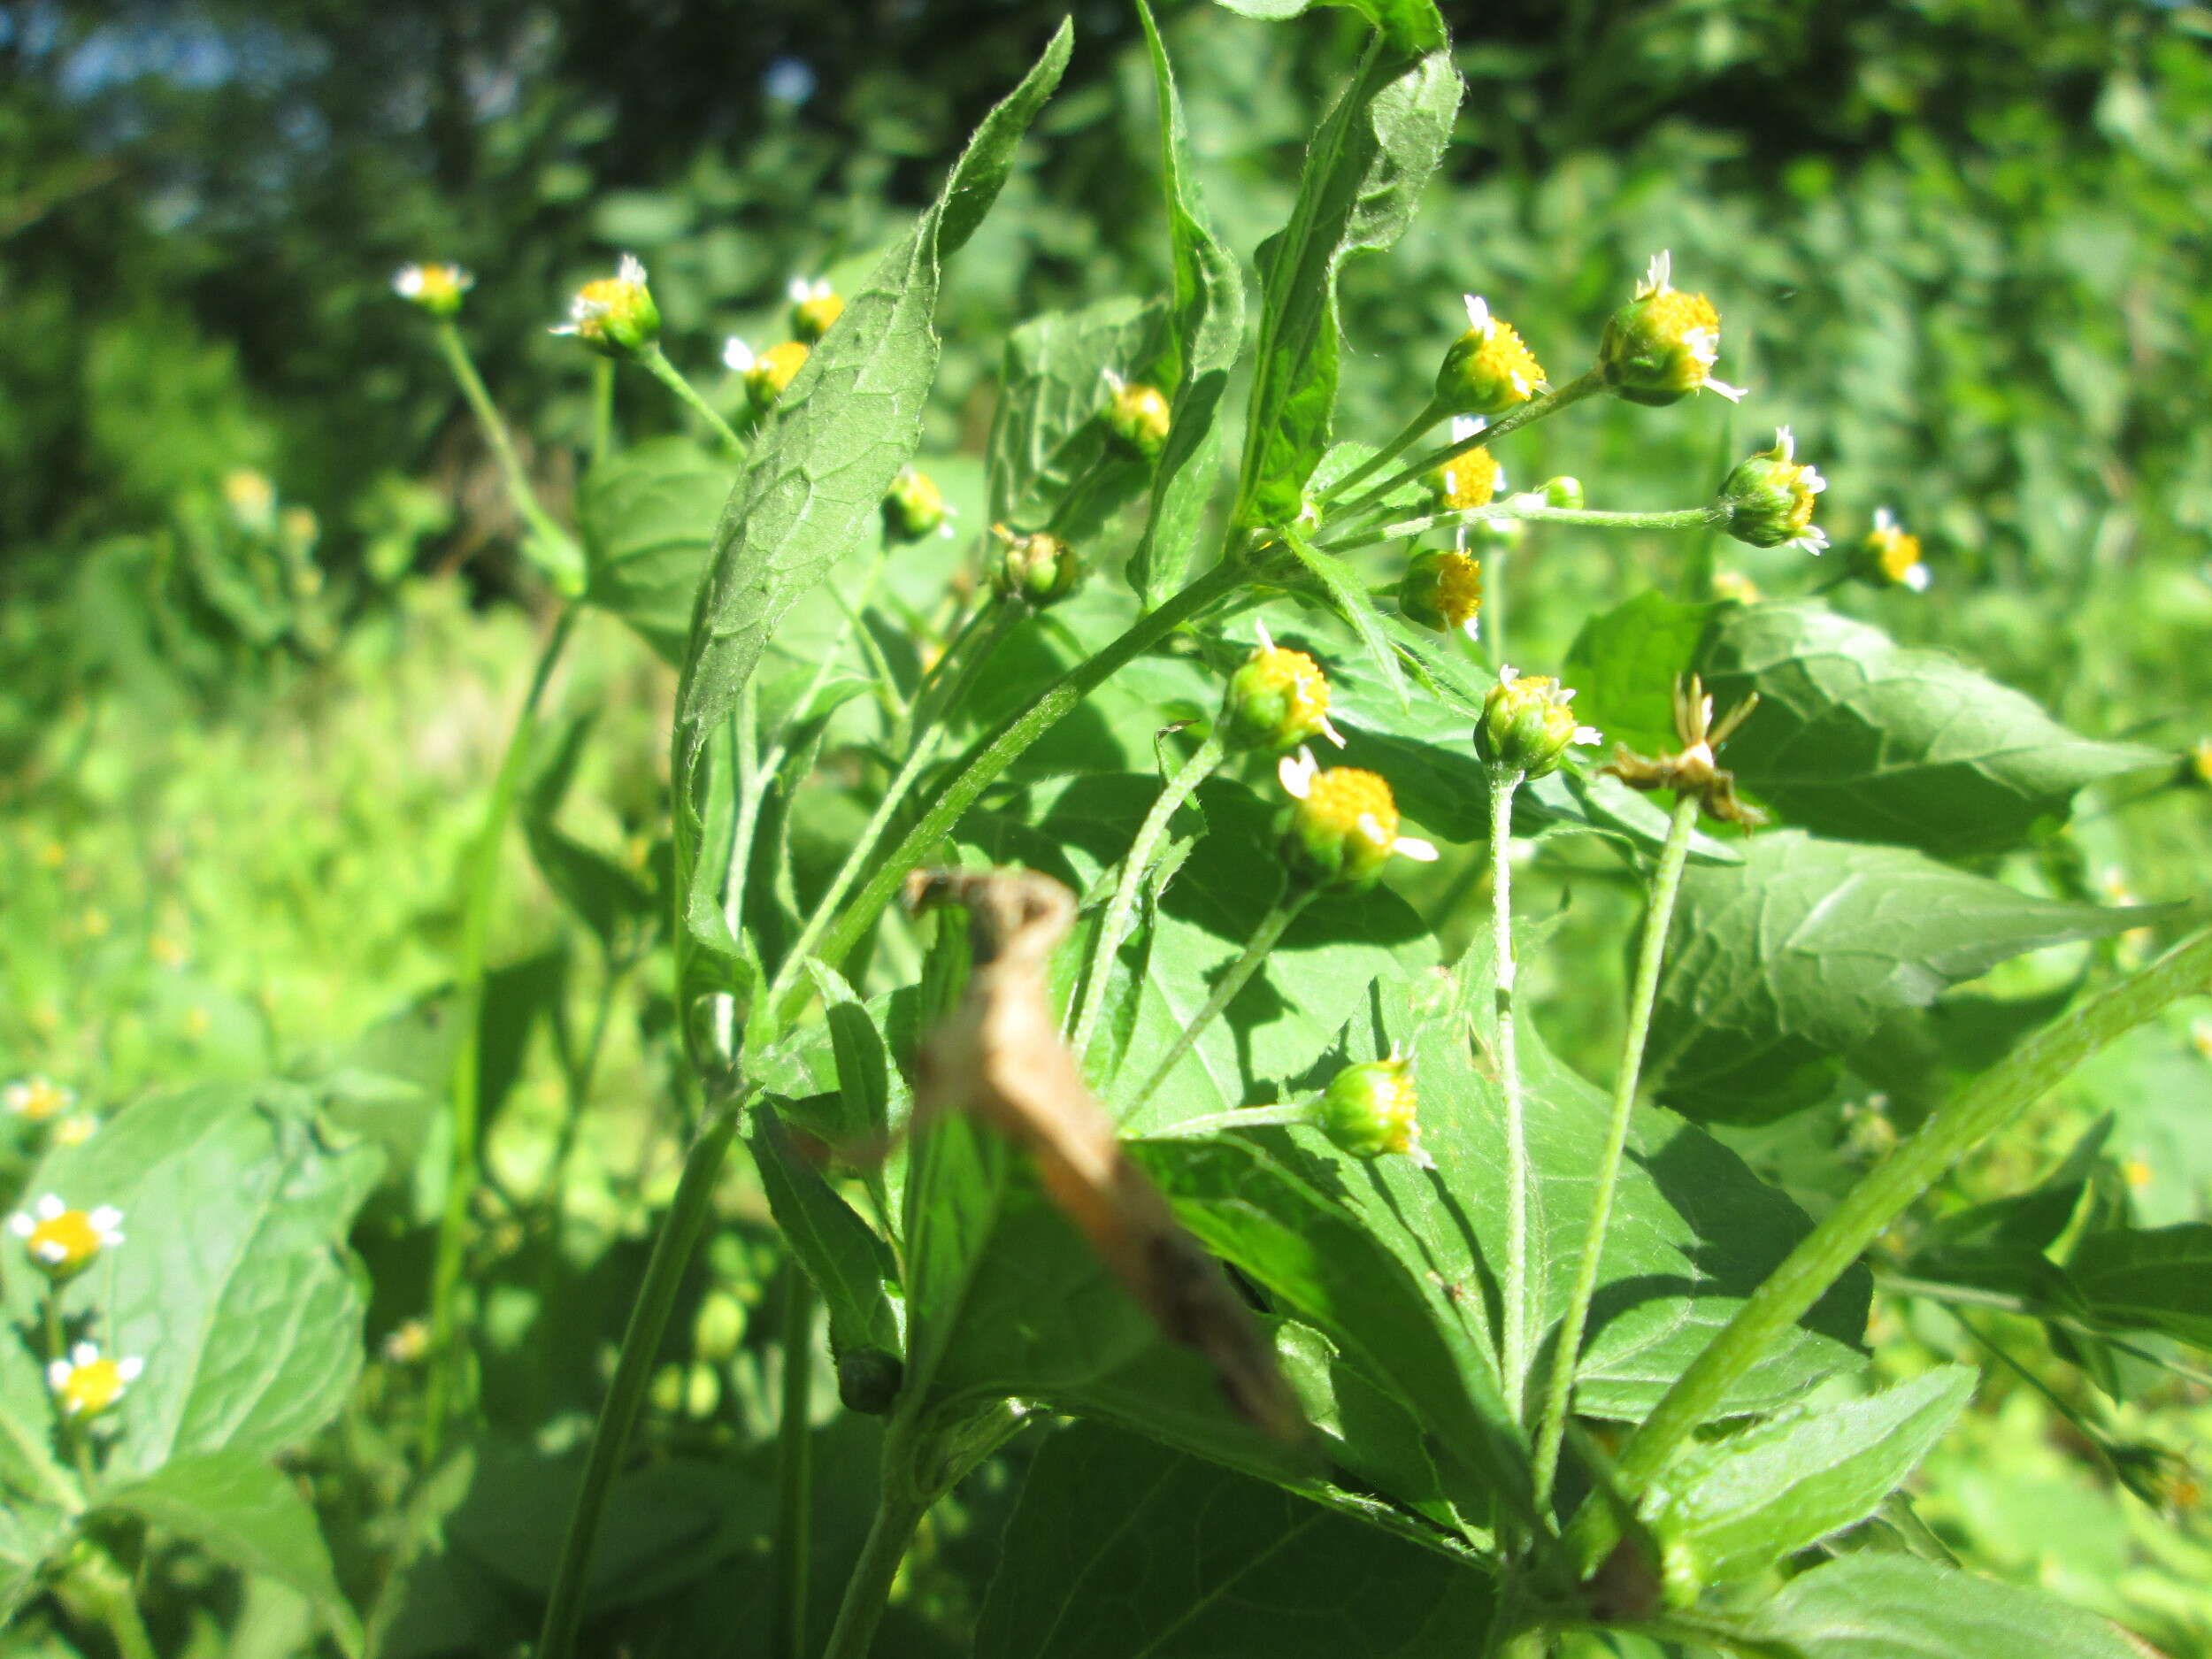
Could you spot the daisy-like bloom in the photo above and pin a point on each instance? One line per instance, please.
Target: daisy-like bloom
(75, 1130)
(1769, 499)
(1370, 1110)
(88, 1385)
(1443, 590)
(437, 288)
(1278, 698)
(815, 305)
(767, 374)
(914, 508)
(37, 1099)
(1661, 346)
(251, 499)
(1890, 558)
(615, 316)
(1467, 481)
(64, 1241)
(1692, 770)
(1528, 723)
(1136, 414)
(1344, 825)
(1488, 369)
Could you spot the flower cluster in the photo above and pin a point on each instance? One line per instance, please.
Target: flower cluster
(766, 374)
(1277, 699)
(1661, 346)
(1137, 415)
(1370, 1110)
(62, 1242)
(437, 288)
(1489, 368)
(1343, 823)
(1890, 558)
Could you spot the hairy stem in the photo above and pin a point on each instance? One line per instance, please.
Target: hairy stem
(660, 368)
(898, 1512)
(1265, 937)
(794, 1466)
(1283, 1112)
(1001, 749)
(1666, 881)
(1513, 1344)
(1993, 1100)
(1532, 512)
(481, 878)
(1409, 435)
(673, 1250)
(1527, 414)
(565, 564)
(1122, 906)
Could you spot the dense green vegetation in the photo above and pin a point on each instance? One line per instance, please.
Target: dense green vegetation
(342, 853)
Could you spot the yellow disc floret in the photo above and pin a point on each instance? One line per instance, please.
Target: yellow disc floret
(62, 1242)
(1489, 368)
(87, 1384)
(1443, 591)
(616, 315)
(1465, 481)
(1278, 698)
(1344, 823)
(1661, 346)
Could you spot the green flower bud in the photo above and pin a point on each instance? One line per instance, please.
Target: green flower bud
(615, 316)
(1137, 415)
(1370, 1111)
(1564, 491)
(1659, 348)
(1890, 558)
(1443, 590)
(868, 1380)
(1527, 724)
(1769, 499)
(814, 306)
(437, 288)
(1277, 699)
(915, 507)
(1039, 570)
(1487, 370)
(1343, 823)
(767, 375)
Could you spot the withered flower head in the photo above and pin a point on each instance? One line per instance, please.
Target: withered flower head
(1691, 771)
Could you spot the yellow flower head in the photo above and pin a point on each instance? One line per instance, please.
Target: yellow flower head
(1769, 499)
(914, 507)
(768, 373)
(814, 306)
(1488, 369)
(1278, 698)
(1465, 480)
(1443, 590)
(37, 1099)
(1137, 415)
(1370, 1110)
(615, 316)
(1344, 823)
(1890, 558)
(1528, 722)
(62, 1242)
(1661, 346)
(437, 288)
(86, 1385)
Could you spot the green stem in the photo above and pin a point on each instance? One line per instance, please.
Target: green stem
(1527, 414)
(481, 874)
(602, 409)
(1666, 881)
(1494, 605)
(660, 368)
(672, 1249)
(898, 1512)
(101, 1581)
(494, 426)
(1408, 436)
(1985, 1106)
(1271, 928)
(1283, 1112)
(1532, 512)
(1513, 1345)
(1002, 750)
(1122, 906)
(794, 1466)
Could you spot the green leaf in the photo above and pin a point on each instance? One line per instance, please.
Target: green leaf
(1875, 1605)
(1363, 174)
(606, 896)
(1624, 663)
(1862, 739)
(29, 1535)
(2149, 1280)
(1734, 1507)
(847, 1262)
(1798, 953)
(815, 478)
(1206, 335)
(646, 516)
(1348, 595)
(234, 1286)
(1052, 460)
(249, 1515)
(866, 1078)
(1119, 1549)
(1412, 26)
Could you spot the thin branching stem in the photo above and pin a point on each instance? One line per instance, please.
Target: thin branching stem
(794, 1465)
(493, 427)
(1532, 512)
(660, 368)
(1526, 414)
(1514, 1343)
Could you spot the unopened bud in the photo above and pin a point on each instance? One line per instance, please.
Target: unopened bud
(1443, 590)
(1277, 699)
(1137, 415)
(869, 1380)
(1528, 723)
(1372, 1110)
(814, 306)
(615, 316)
(1564, 491)
(1769, 499)
(1039, 569)
(1660, 347)
(767, 375)
(914, 507)
(1343, 823)
(1488, 369)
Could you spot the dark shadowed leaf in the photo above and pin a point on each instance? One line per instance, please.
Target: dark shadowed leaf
(2154, 1280)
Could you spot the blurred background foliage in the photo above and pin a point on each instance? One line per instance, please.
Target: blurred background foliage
(263, 623)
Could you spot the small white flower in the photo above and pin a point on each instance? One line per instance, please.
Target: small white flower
(1478, 317)
(737, 357)
(1296, 773)
(801, 290)
(1658, 275)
